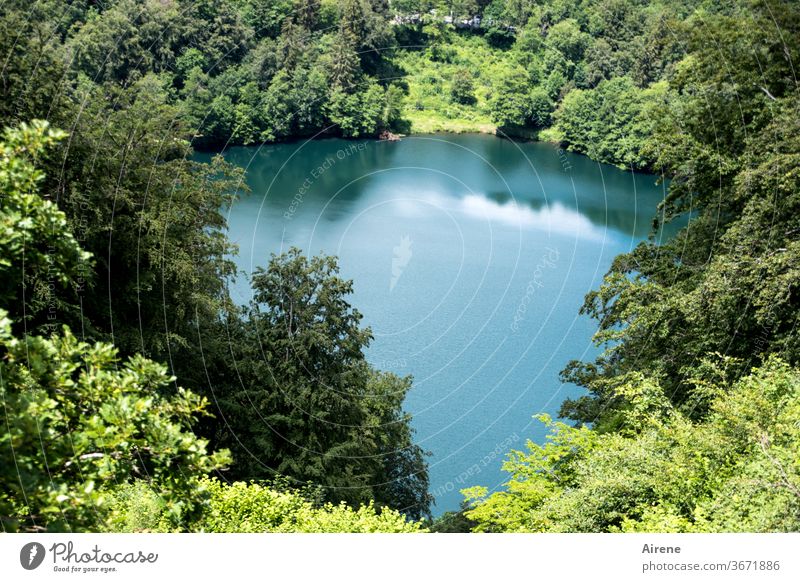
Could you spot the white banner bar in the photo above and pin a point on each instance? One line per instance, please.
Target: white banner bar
(411, 558)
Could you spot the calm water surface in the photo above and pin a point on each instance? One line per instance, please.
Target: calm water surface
(471, 256)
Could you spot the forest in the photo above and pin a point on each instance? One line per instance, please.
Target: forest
(139, 396)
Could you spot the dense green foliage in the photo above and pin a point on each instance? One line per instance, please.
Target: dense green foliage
(737, 470)
(113, 231)
(247, 71)
(682, 438)
(94, 441)
(37, 252)
(585, 74)
(243, 71)
(77, 421)
(136, 83)
(251, 508)
(612, 122)
(728, 282)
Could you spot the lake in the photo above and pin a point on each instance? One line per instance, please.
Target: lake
(470, 256)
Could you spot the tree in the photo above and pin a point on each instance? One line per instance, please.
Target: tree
(342, 62)
(613, 122)
(437, 37)
(33, 64)
(541, 107)
(365, 21)
(308, 377)
(266, 16)
(127, 40)
(462, 89)
(153, 221)
(292, 43)
(600, 62)
(357, 114)
(307, 13)
(509, 104)
(308, 406)
(393, 111)
(567, 39)
(216, 25)
(309, 92)
(277, 103)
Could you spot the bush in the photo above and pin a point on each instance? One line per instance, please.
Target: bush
(137, 507)
(243, 507)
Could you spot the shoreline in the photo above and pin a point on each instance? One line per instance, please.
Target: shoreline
(521, 134)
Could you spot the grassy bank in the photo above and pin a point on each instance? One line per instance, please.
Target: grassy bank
(433, 104)
(450, 88)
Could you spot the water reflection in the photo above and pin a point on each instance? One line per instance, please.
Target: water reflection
(467, 304)
(465, 168)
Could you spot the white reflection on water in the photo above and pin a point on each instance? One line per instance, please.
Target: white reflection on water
(553, 217)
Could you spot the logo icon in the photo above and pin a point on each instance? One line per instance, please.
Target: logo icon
(402, 255)
(31, 555)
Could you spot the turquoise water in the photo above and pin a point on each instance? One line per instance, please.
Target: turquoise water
(470, 256)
